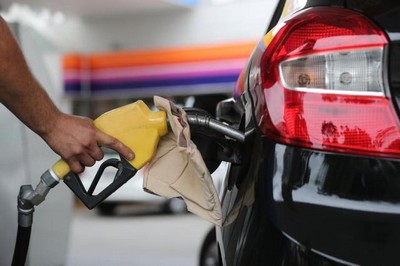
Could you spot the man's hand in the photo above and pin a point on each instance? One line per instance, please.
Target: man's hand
(77, 141)
(74, 138)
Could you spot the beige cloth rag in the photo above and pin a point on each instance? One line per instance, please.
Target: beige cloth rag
(178, 170)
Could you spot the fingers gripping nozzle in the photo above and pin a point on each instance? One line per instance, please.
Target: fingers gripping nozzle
(137, 127)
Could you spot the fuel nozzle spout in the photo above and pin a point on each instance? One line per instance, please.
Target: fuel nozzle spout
(218, 126)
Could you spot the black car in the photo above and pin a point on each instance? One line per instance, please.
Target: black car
(317, 181)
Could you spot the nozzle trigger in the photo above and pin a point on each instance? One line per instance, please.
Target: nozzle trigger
(124, 173)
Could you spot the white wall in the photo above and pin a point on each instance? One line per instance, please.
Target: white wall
(23, 159)
(202, 25)
(49, 240)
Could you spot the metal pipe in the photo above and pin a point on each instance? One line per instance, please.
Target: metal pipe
(211, 123)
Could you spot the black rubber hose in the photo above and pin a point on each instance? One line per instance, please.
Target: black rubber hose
(21, 246)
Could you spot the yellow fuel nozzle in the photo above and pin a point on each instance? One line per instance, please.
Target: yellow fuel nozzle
(136, 126)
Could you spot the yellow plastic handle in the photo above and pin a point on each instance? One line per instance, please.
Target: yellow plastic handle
(136, 126)
(61, 169)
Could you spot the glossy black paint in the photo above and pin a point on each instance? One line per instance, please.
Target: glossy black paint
(269, 231)
(349, 207)
(291, 206)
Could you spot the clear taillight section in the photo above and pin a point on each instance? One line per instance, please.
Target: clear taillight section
(324, 86)
(339, 72)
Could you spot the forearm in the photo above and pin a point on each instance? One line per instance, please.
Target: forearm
(75, 139)
(19, 90)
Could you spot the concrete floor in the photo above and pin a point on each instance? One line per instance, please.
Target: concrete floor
(140, 238)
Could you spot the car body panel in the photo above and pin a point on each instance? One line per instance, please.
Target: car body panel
(286, 205)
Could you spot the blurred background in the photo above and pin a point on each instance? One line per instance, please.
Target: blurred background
(92, 56)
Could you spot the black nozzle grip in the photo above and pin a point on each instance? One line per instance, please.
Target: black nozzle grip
(125, 172)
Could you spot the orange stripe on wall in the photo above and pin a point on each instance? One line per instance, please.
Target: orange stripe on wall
(160, 56)
(72, 61)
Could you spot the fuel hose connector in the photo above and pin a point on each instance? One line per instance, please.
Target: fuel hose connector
(28, 197)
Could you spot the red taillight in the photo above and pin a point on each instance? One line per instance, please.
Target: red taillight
(324, 86)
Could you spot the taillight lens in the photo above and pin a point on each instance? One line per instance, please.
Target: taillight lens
(324, 87)
(353, 72)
